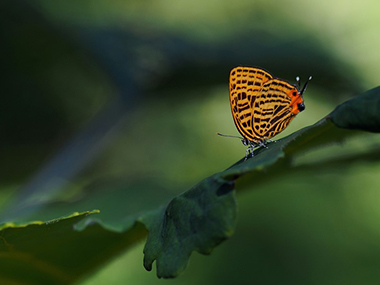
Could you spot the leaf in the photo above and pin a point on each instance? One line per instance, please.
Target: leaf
(360, 113)
(198, 219)
(54, 252)
(63, 250)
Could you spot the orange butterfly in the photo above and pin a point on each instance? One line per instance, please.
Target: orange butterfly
(262, 106)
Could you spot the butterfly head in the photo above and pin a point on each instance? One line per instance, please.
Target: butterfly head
(297, 98)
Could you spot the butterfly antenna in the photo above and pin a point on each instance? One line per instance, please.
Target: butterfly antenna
(304, 87)
(228, 136)
(298, 82)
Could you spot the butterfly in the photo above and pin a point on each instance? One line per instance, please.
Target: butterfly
(262, 106)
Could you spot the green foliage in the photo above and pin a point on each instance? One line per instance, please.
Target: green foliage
(360, 113)
(198, 219)
(67, 248)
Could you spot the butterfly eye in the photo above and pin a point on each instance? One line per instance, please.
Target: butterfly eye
(301, 106)
(294, 93)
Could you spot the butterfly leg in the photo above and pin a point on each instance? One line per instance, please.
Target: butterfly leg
(262, 143)
(247, 153)
(250, 148)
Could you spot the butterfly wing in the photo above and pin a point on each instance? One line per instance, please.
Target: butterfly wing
(275, 108)
(245, 85)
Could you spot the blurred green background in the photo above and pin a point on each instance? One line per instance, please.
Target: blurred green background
(97, 93)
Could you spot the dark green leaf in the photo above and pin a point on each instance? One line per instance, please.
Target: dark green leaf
(360, 113)
(198, 219)
(53, 252)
